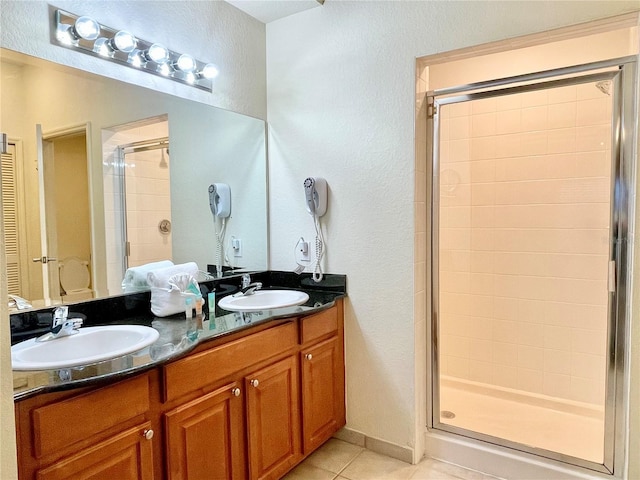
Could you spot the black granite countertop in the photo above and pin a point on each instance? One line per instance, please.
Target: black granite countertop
(178, 335)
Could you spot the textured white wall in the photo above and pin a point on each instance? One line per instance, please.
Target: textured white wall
(341, 97)
(210, 31)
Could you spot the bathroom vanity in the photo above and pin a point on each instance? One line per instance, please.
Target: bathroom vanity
(245, 402)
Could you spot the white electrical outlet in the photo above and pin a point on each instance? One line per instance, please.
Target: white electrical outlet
(236, 245)
(303, 251)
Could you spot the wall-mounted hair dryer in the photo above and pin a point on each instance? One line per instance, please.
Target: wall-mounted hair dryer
(220, 199)
(315, 190)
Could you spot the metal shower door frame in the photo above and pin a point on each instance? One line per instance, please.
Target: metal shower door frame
(622, 72)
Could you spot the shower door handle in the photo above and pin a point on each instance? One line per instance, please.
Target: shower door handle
(611, 280)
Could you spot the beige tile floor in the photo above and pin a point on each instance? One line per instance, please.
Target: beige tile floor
(343, 461)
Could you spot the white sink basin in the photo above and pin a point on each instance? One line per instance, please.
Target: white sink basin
(89, 345)
(263, 300)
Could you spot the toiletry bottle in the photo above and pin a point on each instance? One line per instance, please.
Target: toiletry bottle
(211, 300)
(192, 322)
(188, 307)
(199, 303)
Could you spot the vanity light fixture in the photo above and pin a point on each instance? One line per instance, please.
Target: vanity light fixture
(87, 35)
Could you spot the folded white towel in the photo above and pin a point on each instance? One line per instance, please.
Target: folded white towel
(160, 278)
(136, 277)
(167, 286)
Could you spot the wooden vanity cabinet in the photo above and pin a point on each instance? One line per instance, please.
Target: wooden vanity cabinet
(101, 433)
(253, 380)
(273, 419)
(205, 437)
(125, 455)
(322, 376)
(322, 409)
(249, 407)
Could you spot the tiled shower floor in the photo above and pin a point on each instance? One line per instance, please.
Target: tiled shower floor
(343, 461)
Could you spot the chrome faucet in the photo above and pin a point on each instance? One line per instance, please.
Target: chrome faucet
(251, 288)
(62, 326)
(247, 287)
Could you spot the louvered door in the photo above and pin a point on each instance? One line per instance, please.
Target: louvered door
(10, 215)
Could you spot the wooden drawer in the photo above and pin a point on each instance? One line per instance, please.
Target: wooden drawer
(63, 423)
(127, 455)
(316, 326)
(205, 368)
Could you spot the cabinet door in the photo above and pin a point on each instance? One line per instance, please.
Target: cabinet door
(205, 437)
(273, 419)
(321, 398)
(126, 455)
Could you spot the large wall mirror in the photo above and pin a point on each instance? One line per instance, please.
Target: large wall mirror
(101, 176)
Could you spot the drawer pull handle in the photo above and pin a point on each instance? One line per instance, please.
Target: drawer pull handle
(255, 382)
(308, 356)
(148, 434)
(235, 392)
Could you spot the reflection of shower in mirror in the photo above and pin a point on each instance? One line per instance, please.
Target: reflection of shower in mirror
(140, 196)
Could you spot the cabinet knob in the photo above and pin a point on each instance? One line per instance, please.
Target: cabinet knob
(255, 382)
(308, 356)
(235, 392)
(148, 434)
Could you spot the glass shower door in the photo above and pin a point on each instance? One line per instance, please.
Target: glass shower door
(528, 214)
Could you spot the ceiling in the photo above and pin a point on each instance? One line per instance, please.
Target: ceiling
(269, 10)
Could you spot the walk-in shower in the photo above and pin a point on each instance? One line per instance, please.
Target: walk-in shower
(530, 224)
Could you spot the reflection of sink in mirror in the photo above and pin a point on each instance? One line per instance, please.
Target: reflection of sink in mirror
(263, 300)
(89, 345)
(202, 139)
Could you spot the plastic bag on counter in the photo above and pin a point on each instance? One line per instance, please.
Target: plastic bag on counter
(170, 300)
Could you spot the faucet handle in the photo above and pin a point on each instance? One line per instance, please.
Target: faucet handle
(246, 280)
(60, 315)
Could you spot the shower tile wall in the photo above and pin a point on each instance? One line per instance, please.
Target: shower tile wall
(148, 203)
(524, 232)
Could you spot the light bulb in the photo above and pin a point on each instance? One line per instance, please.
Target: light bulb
(123, 41)
(87, 28)
(209, 71)
(136, 58)
(186, 63)
(158, 53)
(165, 69)
(101, 47)
(65, 35)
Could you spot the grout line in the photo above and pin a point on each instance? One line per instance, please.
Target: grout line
(349, 462)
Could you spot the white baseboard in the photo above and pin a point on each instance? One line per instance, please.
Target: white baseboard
(375, 444)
